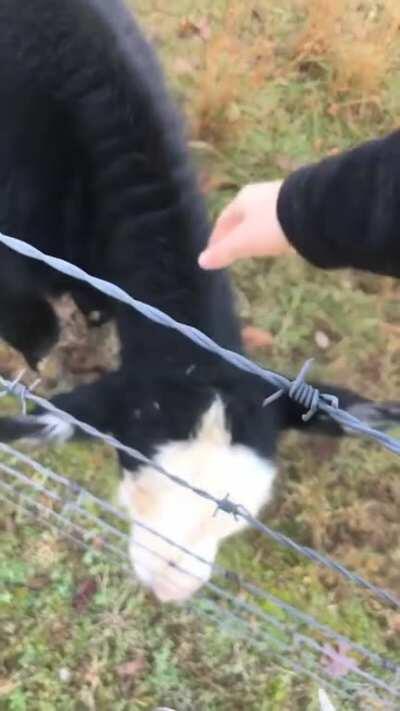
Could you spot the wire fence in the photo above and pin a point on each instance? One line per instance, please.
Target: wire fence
(287, 636)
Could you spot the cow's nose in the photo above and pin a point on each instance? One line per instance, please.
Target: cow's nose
(174, 590)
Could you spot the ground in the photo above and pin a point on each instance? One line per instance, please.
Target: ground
(266, 86)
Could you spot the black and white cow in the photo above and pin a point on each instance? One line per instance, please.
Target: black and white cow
(94, 169)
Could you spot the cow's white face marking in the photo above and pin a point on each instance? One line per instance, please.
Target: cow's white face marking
(209, 461)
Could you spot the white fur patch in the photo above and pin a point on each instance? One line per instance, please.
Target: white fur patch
(211, 462)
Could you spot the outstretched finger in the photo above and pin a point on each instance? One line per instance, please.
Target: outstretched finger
(227, 221)
(223, 252)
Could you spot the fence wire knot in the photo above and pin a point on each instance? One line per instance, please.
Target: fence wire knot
(304, 394)
(228, 507)
(20, 390)
(307, 395)
(300, 391)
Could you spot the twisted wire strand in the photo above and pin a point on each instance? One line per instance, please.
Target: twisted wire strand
(324, 403)
(298, 390)
(224, 504)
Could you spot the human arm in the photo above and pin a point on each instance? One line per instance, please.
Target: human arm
(341, 212)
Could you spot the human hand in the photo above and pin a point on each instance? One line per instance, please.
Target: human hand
(248, 227)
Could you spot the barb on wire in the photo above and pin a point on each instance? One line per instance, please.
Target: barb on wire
(224, 504)
(304, 394)
(286, 643)
(23, 389)
(297, 389)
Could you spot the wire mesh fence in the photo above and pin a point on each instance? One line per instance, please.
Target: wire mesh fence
(285, 635)
(282, 633)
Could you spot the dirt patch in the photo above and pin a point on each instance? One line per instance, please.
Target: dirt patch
(83, 353)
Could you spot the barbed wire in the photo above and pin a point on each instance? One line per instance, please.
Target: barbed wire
(224, 504)
(298, 390)
(285, 641)
(277, 639)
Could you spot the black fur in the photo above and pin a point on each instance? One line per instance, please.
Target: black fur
(94, 169)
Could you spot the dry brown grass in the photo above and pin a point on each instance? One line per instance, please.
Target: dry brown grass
(349, 47)
(357, 43)
(235, 58)
(224, 55)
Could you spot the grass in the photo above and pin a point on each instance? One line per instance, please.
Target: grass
(266, 86)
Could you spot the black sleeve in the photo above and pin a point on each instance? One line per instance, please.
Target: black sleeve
(345, 210)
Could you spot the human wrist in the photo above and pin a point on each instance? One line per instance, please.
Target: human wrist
(282, 243)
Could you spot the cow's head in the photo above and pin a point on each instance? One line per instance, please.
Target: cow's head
(227, 451)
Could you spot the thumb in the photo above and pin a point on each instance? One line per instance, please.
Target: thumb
(224, 252)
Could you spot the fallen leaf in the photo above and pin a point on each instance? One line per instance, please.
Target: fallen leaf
(132, 668)
(189, 27)
(185, 28)
(86, 589)
(333, 109)
(322, 340)
(336, 661)
(255, 338)
(257, 15)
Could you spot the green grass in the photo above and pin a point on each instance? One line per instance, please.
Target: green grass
(342, 499)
